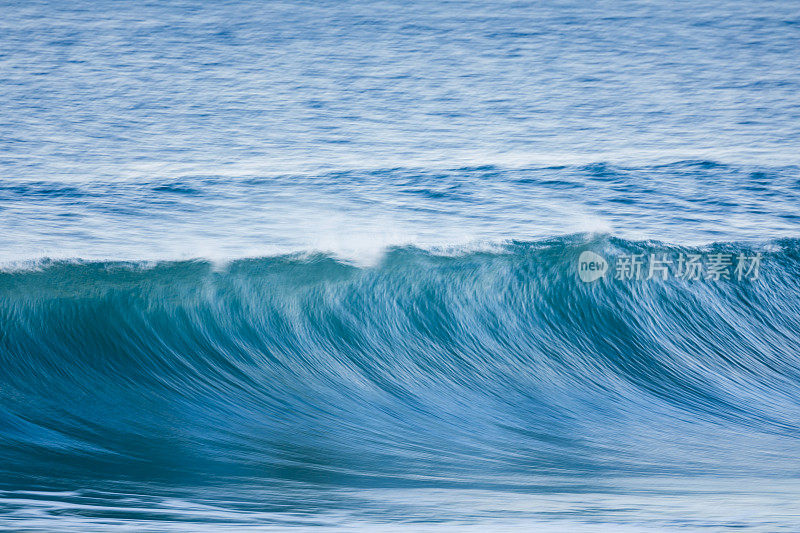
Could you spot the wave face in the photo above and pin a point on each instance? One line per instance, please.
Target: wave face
(302, 390)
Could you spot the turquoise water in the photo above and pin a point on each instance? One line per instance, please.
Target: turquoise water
(294, 265)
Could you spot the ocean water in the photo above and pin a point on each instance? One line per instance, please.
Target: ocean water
(287, 266)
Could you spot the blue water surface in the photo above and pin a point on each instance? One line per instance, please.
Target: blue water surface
(287, 265)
